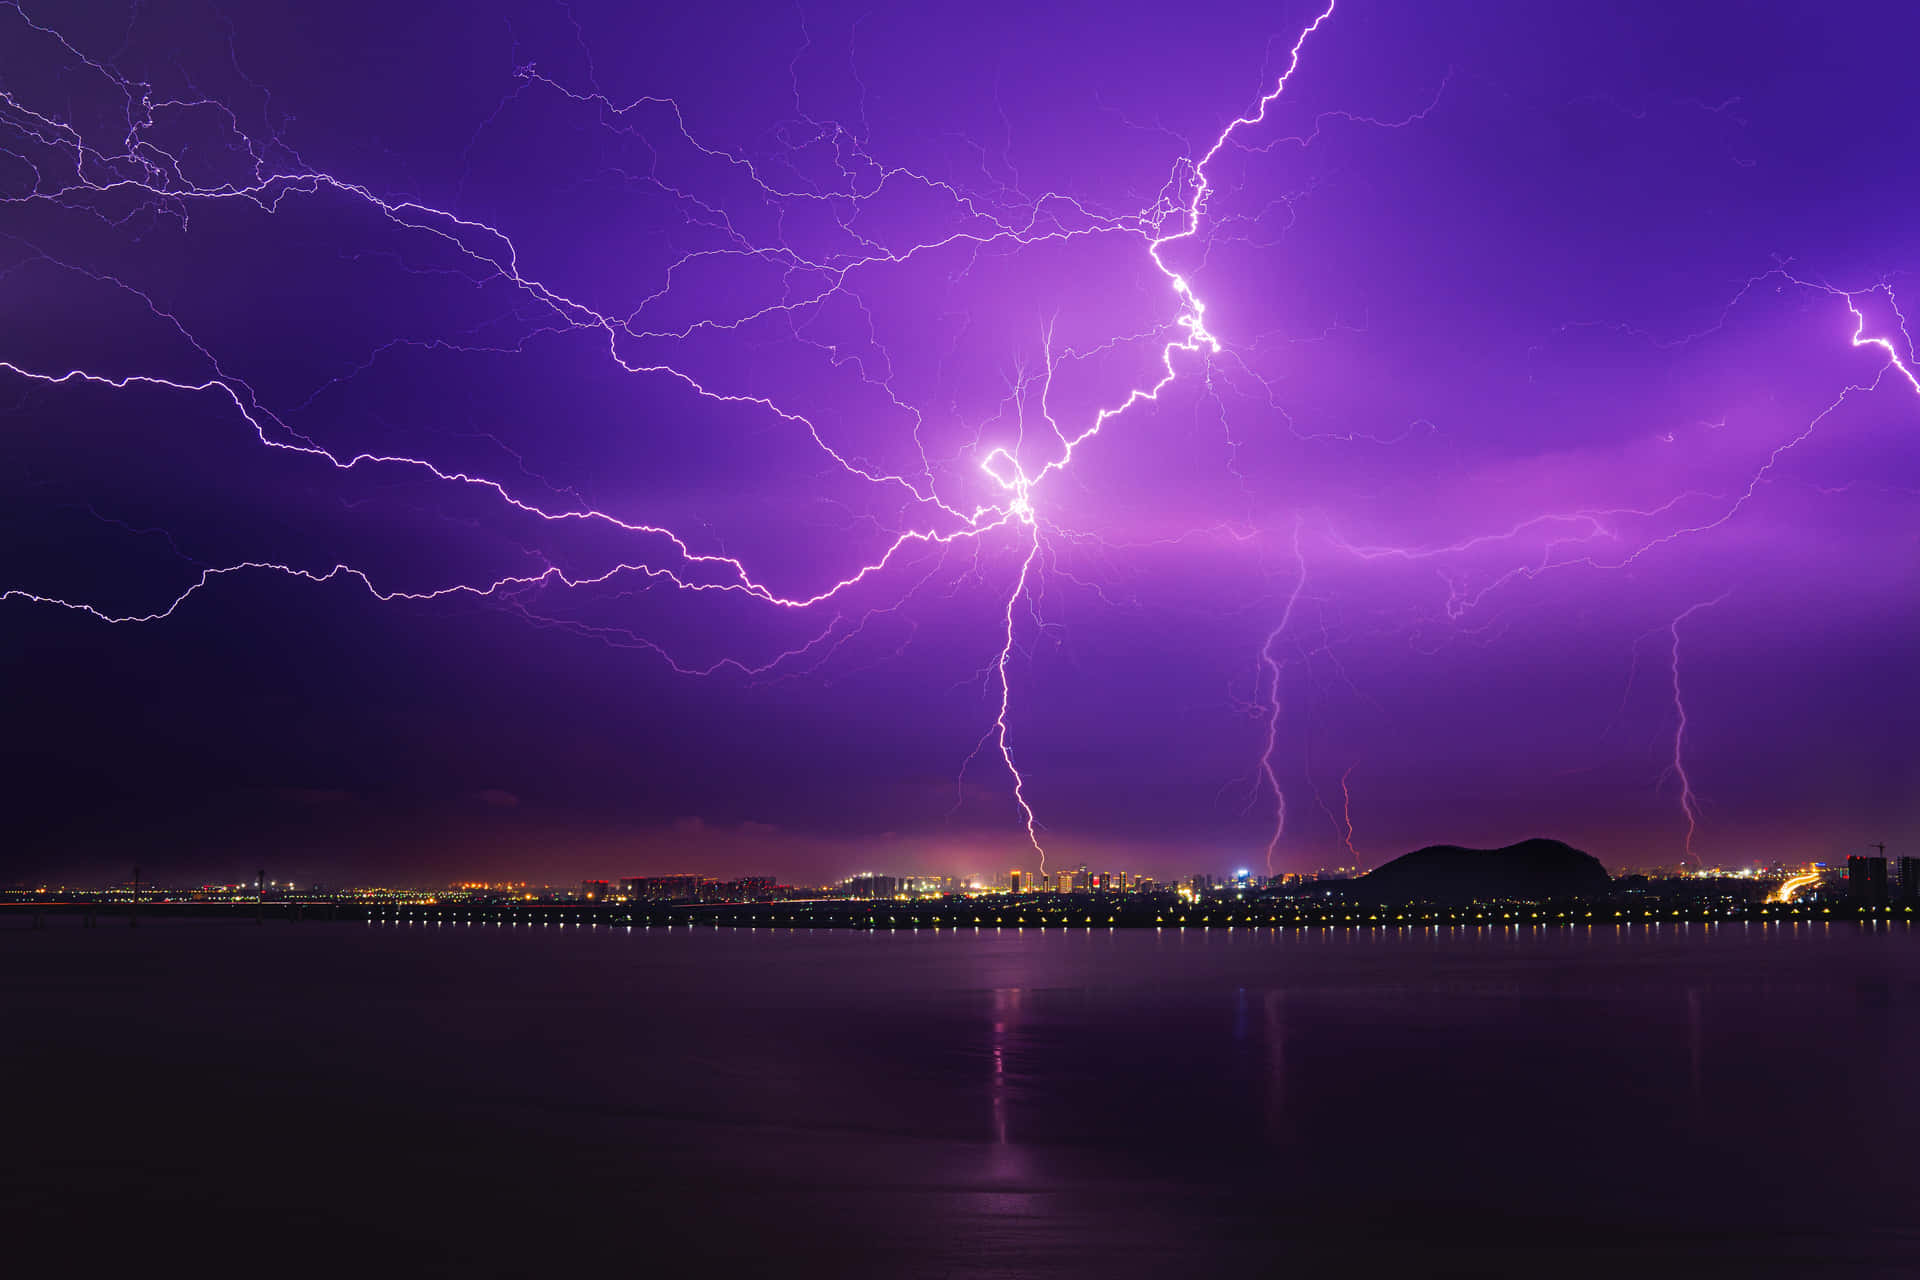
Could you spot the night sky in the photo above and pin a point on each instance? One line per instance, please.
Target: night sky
(1560, 401)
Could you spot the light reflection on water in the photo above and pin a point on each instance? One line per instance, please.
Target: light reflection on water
(999, 1102)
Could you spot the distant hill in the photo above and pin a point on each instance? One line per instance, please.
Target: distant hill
(1531, 871)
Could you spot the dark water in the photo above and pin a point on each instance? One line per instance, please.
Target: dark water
(330, 1099)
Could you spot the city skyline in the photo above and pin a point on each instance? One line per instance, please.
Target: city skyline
(1540, 881)
(1284, 442)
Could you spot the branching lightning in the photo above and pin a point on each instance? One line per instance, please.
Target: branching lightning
(75, 168)
(991, 500)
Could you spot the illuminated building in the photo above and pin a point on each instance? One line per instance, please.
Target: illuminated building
(594, 890)
(1014, 878)
(744, 889)
(661, 888)
(1867, 881)
(868, 885)
(926, 885)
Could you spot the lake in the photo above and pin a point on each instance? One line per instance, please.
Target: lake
(486, 1100)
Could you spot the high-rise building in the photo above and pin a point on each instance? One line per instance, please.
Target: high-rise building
(1910, 882)
(661, 888)
(1014, 878)
(1064, 882)
(594, 890)
(1867, 881)
(872, 886)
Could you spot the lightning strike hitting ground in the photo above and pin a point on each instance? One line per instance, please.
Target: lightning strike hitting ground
(1689, 803)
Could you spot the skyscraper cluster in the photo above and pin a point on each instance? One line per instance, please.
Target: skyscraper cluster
(1868, 884)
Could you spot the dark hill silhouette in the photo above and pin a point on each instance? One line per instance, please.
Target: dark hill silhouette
(1531, 871)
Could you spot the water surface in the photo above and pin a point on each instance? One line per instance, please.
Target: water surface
(537, 1100)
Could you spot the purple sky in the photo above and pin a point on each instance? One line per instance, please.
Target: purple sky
(1537, 365)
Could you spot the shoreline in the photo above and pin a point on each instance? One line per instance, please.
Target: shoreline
(957, 915)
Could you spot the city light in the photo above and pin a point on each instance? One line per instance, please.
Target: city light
(1790, 887)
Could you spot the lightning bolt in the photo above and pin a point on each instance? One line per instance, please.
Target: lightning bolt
(1569, 538)
(1689, 803)
(1271, 666)
(1000, 496)
(1000, 721)
(1585, 528)
(1346, 814)
(70, 168)
(1005, 469)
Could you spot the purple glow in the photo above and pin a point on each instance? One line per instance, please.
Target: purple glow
(1436, 387)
